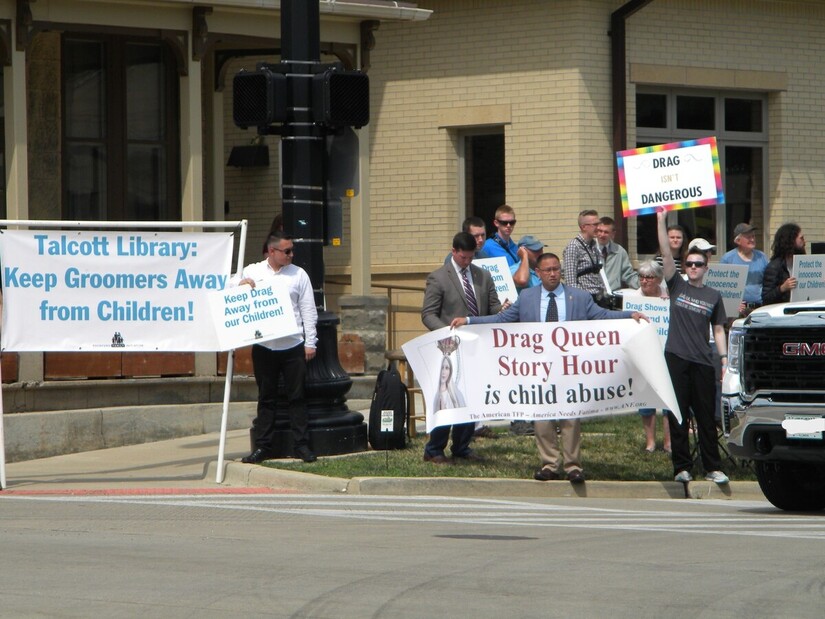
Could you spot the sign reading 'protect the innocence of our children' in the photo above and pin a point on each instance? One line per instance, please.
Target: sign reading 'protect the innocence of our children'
(540, 370)
(672, 176)
(244, 315)
(809, 272)
(117, 291)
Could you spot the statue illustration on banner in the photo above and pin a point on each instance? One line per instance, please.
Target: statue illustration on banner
(448, 395)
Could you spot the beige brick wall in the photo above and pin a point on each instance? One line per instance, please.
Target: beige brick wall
(547, 61)
(782, 37)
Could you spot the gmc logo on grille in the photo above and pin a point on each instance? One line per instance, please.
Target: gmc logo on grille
(803, 349)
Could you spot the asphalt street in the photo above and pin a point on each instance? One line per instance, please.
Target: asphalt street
(236, 552)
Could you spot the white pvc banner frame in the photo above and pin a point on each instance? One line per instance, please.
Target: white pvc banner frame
(203, 273)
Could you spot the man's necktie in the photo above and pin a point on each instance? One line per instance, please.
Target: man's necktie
(604, 252)
(472, 306)
(552, 314)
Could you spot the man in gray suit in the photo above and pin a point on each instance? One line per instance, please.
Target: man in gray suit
(551, 302)
(456, 289)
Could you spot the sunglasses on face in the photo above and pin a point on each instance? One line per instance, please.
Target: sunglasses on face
(285, 252)
(509, 222)
(691, 263)
(647, 277)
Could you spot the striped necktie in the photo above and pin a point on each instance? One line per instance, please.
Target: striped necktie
(472, 306)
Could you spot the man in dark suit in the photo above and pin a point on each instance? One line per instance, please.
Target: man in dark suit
(456, 289)
(550, 302)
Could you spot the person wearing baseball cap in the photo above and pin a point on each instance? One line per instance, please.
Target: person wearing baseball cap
(524, 273)
(744, 237)
(701, 245)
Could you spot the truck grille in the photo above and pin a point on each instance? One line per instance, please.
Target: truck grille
(771, 366)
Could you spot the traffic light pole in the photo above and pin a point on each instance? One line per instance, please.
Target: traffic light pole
(334, 429)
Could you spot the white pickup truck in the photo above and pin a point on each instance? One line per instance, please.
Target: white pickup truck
(773, 401)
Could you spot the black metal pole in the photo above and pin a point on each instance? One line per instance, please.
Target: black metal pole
(334, 429)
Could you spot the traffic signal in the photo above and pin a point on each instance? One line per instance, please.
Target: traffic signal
(258, 98)
(341, 98)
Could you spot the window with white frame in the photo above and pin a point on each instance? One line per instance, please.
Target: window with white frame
(739, 122)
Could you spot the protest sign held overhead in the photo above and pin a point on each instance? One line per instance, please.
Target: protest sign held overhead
(672, 176)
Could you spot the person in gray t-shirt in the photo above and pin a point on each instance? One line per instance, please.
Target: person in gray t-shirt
(694, 309)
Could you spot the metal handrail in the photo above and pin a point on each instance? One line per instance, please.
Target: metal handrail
(392, 310)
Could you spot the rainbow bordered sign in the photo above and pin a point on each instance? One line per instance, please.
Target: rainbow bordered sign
(675, 176)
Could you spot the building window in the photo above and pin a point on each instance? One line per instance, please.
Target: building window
(482, 174)
(120, 130)
(739, 121)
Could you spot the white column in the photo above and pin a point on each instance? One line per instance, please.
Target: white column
(360, 257)
(191, 142)
(17, 150)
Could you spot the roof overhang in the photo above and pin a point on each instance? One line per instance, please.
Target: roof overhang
(387, 10)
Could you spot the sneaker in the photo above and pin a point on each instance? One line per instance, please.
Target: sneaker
(683, 476)
(717, 477)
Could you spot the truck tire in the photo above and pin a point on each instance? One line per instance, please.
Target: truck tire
(792, 486)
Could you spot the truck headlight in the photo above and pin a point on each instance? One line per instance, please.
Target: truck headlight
(735, 340)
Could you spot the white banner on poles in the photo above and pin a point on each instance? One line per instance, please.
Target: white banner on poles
(111, 291)
(540, 371)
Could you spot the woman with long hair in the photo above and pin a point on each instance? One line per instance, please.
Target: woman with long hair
(677, 239)
(447, 395)
(777, 282)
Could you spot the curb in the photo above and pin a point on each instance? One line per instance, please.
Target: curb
(253, 475)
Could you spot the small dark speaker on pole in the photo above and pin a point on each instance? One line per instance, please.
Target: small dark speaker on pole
(341, 98)
(258, 98)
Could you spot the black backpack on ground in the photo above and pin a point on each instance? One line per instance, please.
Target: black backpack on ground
(390, 395)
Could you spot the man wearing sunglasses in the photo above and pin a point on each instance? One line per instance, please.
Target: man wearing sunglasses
(285, 356)
(501, 244)
(694, 308)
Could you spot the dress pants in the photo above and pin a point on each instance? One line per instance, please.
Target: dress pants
(570, 437)
(269, 365)
(462, 435)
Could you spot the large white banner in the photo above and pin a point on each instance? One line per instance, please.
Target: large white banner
(540, 371)
(99, 291)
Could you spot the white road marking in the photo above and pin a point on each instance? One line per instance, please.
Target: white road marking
(493, 512)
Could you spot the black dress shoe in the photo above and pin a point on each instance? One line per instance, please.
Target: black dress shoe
(545, 475)
(303, 452)
(436, 459)
(470, 456)
(575, 477)
(256, 457)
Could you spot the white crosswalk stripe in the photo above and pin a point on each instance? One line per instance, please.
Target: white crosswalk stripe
(719, 518)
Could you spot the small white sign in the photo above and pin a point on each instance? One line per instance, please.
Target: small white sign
(729, 280)
(656, 309)
(244, 315)
(809, 272)
(502, 278)
(387, 418)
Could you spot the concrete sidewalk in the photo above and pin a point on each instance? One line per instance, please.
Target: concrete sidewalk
(190, 463)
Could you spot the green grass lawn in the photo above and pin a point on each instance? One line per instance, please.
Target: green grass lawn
(612, 449)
